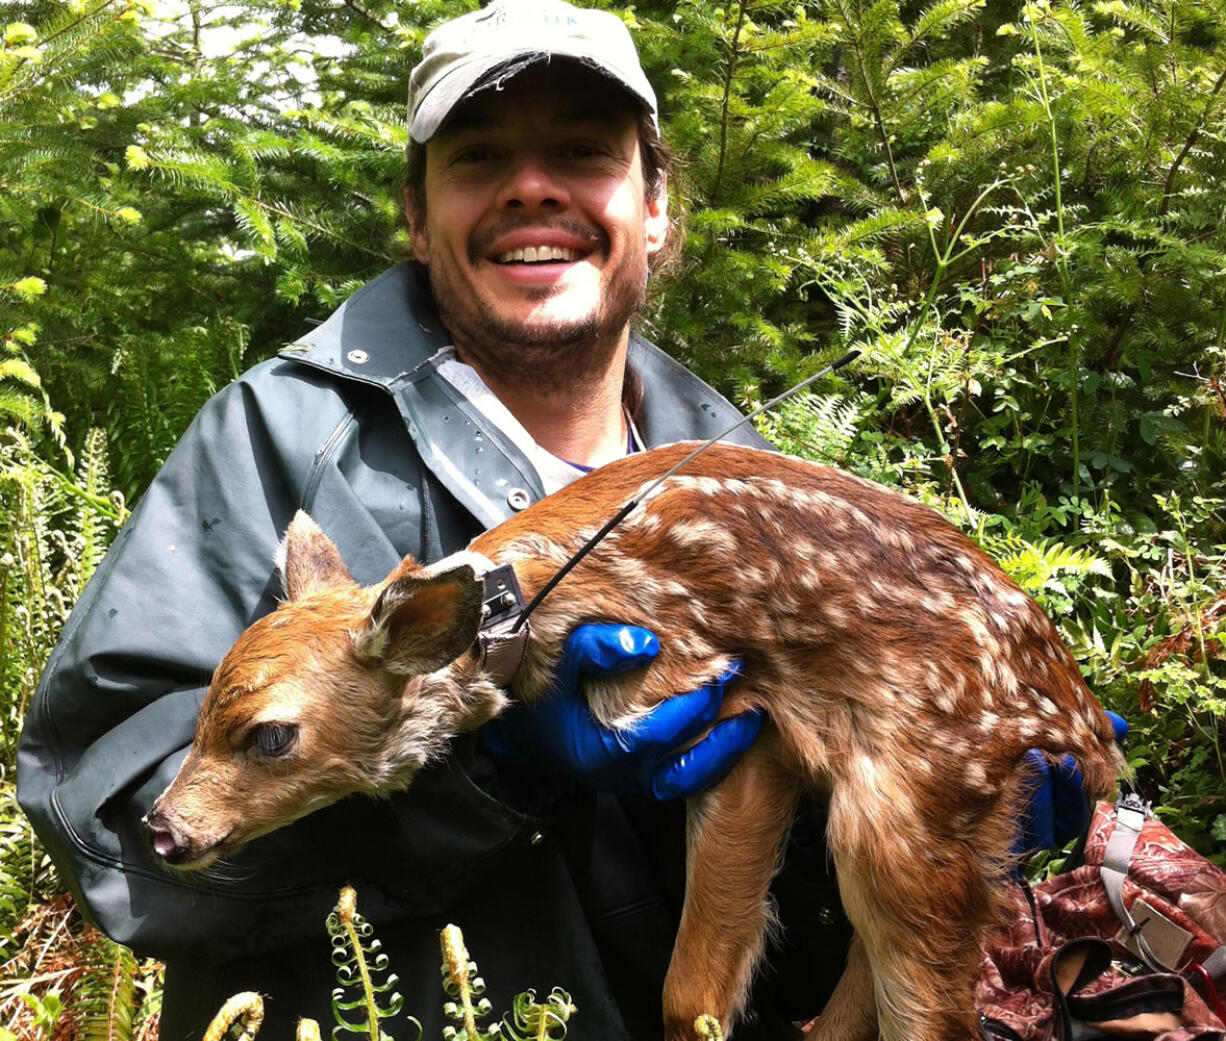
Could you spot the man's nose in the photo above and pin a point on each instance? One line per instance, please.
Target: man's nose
(532, 182)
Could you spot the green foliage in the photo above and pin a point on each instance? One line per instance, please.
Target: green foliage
(61, 977)
(105, 999)
(55, 531)
(26, 877)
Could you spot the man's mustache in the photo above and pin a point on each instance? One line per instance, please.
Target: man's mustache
(482, 241)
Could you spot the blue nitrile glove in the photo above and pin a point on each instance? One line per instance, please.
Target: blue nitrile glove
(1059, 810)
(559, 733)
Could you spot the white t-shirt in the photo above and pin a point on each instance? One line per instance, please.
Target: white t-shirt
(555, 473)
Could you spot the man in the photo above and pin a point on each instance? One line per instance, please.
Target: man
(437, 401)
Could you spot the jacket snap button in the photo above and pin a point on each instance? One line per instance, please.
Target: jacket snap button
(518, 499)
(358, 357)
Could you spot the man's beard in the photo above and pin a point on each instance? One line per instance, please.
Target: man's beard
(550, 356)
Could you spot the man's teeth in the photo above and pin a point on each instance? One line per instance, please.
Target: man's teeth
(536, 254)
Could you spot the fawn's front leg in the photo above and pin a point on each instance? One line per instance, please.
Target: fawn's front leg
(732, 846)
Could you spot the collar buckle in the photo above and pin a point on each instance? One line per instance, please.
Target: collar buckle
(500, 647)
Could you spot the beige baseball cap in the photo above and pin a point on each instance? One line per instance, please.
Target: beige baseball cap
(479, 50)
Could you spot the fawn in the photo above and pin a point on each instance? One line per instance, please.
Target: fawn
(903, 673)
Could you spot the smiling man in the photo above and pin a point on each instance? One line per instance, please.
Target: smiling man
(441, 398)
(536, 220)
(532, 213)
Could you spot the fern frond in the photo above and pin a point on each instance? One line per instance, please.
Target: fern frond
(359, 963)
(102, 998)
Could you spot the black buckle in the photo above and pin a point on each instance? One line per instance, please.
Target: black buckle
(503, 598)
(1132, 801)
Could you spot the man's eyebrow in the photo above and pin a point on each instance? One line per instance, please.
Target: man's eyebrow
(476, 122)
(467, 123)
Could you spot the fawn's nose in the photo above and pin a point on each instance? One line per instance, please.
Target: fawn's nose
(167, 843)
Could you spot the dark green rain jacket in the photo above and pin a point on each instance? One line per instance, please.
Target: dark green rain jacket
(551, 885)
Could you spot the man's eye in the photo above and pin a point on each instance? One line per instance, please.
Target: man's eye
(474, 155)
(274, 739)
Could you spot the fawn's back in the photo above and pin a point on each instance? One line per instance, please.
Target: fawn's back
(871, 630)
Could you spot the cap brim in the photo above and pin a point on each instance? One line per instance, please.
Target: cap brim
(472, 77)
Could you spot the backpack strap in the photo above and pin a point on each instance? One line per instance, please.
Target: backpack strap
(1131, 813)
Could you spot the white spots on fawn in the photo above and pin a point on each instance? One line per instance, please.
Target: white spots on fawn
(835, 614)
(957, 747)
(898, 536)
(705, 535)
(867, 770)
(863, 519)
(886, 695)
(689, 645)
(775, 488)
(976, 775)
(866, 604)
(828, 561)
(534, 547)
(945, 701)
(1013, 596)
(1027, 727)
(649, 523)
(964, 564)
(932, 675)
(803, 550)
(809, 578)
(750, 577)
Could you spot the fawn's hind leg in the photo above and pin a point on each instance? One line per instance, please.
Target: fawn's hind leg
(734, 834)
(851, 1012)
(919, 894)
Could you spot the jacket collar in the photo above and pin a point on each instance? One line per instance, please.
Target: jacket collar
(380, 335)
(389, 328)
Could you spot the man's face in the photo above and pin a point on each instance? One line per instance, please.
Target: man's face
(536, 230)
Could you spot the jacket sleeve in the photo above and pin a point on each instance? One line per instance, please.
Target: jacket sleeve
(117, 703)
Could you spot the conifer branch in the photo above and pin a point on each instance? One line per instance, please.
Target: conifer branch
(1169, 187)
(874, 107)
(366, 15)
(725, 104)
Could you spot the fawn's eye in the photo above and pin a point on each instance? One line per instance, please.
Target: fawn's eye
(273, 739)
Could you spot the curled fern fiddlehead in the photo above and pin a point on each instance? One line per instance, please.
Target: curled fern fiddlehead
(238, 1020)
(359, 959)
(465, 988)
(546, 1020)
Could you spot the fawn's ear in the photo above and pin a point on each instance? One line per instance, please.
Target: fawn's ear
(309, 561)
(422, 622)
